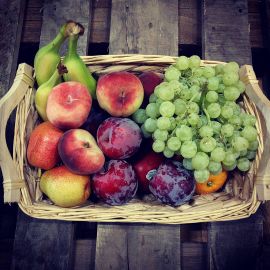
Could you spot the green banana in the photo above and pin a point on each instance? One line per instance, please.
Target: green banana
(45, 89)
(48, 57)
(77, 70)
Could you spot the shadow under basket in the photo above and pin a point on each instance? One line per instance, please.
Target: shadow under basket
(240, 197)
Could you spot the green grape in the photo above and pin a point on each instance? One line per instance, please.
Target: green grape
(211, 96)
(152, 110)
(160, 87)
(243, 164)
(218, 154)
(172, 73)
(213, 84)
(230, 78)
(194, 89)
(180, 106)
(203, 81)
(227, 130)
(251, 154)
(188, 149)
(158, 146)
(229, 158)
(185, 94)
(235, 120)
(229, 167)
(204, 120)
(163, 123)
(159, 101)
(150, 125)
(207, 144)
(139, 116)
(240, 86)
(166, 94)
(253, 145)
(248, 119)
(184, 133)
(200, 161)
(153, 98)
(161, 135)
(250, 133)
(206, 131)
(231, 93)
(182, 63)
(239, 144)
(193, 119)
(243, 153)
(187, 163)
(193, 107)
(174, 143)
(201, 175)
(236, 109)
(226, 112)
(173, 123)
(168, 153)
(194, 81)
(175, 86)
(208, 72)
(197, 72)
(145, 133)
(166, 109)
(216, 126)
(219, 68)
(231, 67)
(214, 167)
(194, 61)
(214, 110)
(221, 88)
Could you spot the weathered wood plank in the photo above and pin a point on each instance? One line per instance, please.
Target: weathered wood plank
(148, 27)
(225, 33)
(11, 20)
(41, 244)
(235, 244)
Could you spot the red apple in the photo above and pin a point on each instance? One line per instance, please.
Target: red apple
(120, 93)
(80, 152)
(149, 81)
(116, 184)
(119, 138)
(144, 167)
(68, 105)
(42, 146)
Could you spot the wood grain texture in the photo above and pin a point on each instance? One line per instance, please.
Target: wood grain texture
(56, 13)
(147, 27)
(225, 32)
(11, 20)
(42, 244)
(231, 245)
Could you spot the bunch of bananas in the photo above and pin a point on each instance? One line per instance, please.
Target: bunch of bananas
(49, 70)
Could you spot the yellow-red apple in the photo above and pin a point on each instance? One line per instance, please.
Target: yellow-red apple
(68, 105)
(120, 93)
(65, 188)
(42, 146)
(80, 152)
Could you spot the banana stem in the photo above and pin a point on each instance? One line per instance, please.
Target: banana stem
(72, 45)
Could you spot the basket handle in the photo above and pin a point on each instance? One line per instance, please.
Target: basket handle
(255, 93)
(12, 182)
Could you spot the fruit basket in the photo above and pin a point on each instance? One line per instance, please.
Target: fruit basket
(240, 197)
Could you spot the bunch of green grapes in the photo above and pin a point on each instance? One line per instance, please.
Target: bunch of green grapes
(194, 113)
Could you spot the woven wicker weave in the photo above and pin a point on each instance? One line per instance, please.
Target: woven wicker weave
(21, 182)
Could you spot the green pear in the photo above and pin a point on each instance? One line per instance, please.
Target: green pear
(65, 188)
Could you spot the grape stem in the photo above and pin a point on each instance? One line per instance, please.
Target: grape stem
(204, 110)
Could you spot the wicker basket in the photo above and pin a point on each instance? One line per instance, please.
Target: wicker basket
(239, 199)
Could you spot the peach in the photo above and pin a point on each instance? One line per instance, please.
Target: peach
(42, 146)
(80, 152)
(120, 93)
(119, 138)
(68, 105)
(65, 188)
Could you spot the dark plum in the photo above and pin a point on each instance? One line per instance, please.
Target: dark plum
(116, 183)
(172, 184)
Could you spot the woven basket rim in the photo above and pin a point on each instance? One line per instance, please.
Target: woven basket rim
(238, 208)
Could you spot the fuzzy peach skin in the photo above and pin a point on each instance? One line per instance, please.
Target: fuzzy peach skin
(42, 149)
(120, 93)
(68, 105)
(65, 188)
(80, 152)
